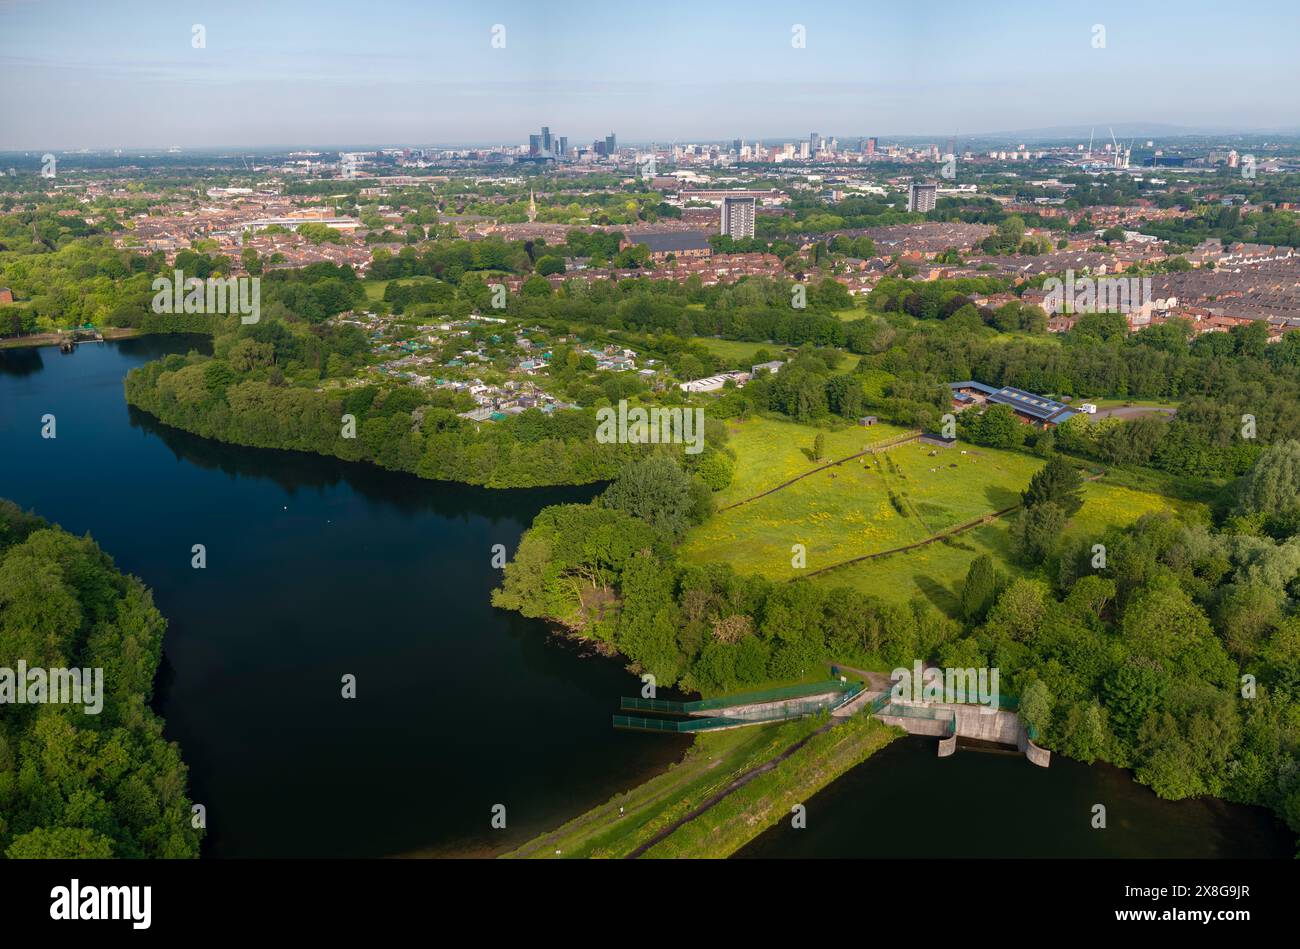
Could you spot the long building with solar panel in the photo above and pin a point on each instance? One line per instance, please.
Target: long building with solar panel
(1030, 407)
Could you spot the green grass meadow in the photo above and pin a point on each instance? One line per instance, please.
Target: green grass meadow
(890, 499)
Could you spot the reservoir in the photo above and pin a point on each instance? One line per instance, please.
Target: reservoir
(319, 569)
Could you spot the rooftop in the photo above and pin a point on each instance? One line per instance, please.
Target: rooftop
(1038, 407)
(669, 243)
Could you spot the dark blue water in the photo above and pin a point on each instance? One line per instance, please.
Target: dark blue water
(316, 569)
(906, 802)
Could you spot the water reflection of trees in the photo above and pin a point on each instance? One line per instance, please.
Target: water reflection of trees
(21, 362)
(155, 346)
(293, 470)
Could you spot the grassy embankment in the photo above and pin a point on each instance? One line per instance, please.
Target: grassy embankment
(743, 815)
(630, 821)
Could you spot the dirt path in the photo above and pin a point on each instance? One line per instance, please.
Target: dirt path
(876, 681)
(731, 788)
(611, 809)
(1137, 411)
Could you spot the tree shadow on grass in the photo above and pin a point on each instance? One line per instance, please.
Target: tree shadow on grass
(947, 601)
(1000, 497)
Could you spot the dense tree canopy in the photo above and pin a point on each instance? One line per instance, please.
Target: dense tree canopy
(72, 783)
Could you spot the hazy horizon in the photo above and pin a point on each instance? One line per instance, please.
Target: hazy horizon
(126, 75)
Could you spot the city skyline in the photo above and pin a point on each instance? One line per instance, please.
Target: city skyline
(405, 73)
(848, 141)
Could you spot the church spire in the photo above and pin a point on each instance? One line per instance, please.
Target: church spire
(532, 206)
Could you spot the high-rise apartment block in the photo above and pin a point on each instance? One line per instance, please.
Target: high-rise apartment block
(738, 217)
(921, 196)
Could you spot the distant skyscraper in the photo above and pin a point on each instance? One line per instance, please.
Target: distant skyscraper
(611, 144)
(872, 144)
(814, 142)
(738, 217)
(546, 145)
(920, 197)
(736, 145)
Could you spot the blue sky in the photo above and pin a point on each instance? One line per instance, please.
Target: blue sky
(109, 73)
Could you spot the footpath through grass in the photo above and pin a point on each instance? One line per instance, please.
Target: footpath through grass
(744, 814)
(629, 820)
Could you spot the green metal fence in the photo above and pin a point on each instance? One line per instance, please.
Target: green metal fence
(652, 705)
(636, 723)
(669, 707)
(784, 713)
